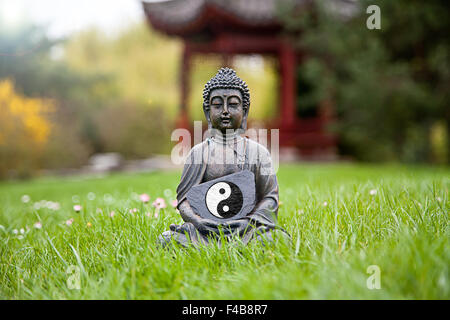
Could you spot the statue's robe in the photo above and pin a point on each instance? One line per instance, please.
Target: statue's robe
(206, 161)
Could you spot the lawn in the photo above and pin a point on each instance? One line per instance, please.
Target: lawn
(343, 218)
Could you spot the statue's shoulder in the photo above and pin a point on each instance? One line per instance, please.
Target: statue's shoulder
(199, 146)
(197, 153)
(259, 154)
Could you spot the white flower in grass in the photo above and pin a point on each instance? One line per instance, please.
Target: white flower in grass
(20, 237)
(439, 199)
(25, 198)
(15, 231)
(36, 206)
(325, 203)
(91, 196)
(174, 203)
(373, 192)
(69, 222)
(77, 208)
(22, 230)
(38, 225)
(111, 214)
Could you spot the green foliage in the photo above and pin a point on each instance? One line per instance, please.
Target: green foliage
(133, 131)
(342, 218)
(390, 86)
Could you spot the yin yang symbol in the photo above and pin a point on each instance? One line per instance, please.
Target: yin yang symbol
(224, 199)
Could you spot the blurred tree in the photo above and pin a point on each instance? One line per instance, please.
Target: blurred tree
(24, 130)
(134, 131)
(390, 86)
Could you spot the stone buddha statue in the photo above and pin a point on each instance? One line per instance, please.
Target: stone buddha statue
(226, 103)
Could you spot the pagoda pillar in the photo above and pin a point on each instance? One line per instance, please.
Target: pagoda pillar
(288, 96)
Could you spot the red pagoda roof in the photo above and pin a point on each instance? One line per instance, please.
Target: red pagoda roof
(196, 17)
(193, 17)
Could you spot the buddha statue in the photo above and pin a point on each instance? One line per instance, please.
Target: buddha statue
(226, 103)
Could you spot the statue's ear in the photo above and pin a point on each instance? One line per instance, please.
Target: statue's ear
(244, 120)
(208, 118)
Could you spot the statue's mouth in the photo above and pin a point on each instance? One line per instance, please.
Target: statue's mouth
(226, 120)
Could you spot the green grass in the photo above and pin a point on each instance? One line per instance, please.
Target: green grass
(403, 229)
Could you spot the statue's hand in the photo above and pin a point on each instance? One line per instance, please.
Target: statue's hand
(206, 226)
(238, 226)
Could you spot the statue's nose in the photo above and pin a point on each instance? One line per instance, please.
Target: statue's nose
(225, 109)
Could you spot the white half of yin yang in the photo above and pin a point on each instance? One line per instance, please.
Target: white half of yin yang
(214, 197)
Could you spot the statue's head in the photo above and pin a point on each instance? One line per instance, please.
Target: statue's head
(226, 101)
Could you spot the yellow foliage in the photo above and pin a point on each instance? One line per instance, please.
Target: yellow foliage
(22, 117)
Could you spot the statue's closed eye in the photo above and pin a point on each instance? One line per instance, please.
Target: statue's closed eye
(217, 101)
(234, 101)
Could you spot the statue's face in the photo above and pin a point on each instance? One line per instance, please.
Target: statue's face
(226, 110)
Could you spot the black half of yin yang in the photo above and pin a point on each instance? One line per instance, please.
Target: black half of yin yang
(224, 199)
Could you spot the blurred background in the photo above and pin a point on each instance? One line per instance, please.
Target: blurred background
(100, 85)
